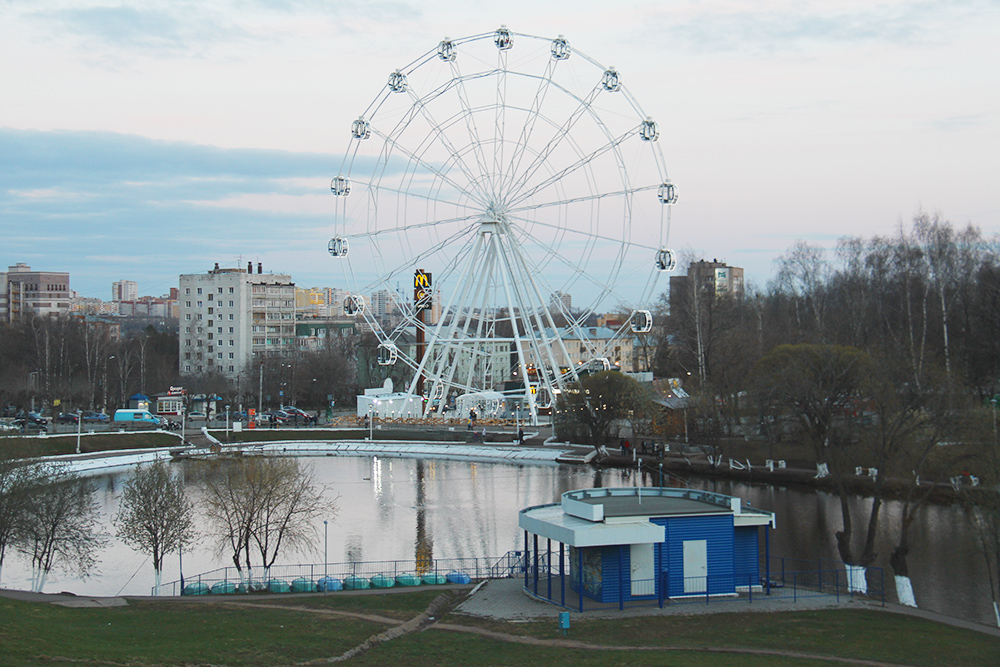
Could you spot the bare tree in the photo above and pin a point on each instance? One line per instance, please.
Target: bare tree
(60, 527)
(156, 516)
(261, 505)
(18, 480)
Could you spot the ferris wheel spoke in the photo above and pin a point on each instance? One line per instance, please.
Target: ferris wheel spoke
(409, 193)
(420, 105)
(469, 117)
(534, 113)
(583, 162)
(416, 259)
(583, 106)
(419, 161)
(500, 120)
(526, 222)
(408, 228)
(575, 269)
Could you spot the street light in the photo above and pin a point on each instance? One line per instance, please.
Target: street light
(326, 543)
(227, 423)
(79, 428)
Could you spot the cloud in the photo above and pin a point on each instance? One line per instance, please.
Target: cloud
(73, 195)
(769, 29)
(157, 28)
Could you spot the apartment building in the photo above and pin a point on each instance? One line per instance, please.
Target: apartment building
(230, 317)
(124, 290)
(24, 292)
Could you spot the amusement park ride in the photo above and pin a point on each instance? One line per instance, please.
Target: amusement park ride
(498, 170)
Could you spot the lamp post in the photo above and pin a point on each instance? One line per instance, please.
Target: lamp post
(79, 428)
(326, 543)
(227, 423)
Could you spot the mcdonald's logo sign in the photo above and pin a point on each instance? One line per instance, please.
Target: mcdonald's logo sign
(421, 280)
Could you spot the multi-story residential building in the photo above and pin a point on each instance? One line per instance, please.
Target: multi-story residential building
(229, 317)
(715, 278)
(562, 302)
(311, 301)
(147, 306)
(335, 299)
(24, 292)
(383, 303)
(124, 290)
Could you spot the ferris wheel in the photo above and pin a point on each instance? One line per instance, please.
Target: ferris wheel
(499, 192)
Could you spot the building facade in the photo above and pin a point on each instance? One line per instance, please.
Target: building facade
(124, 290)
(24, 292)
(715, 278)
(231, 317)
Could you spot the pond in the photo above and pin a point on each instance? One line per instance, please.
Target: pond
(389, 506)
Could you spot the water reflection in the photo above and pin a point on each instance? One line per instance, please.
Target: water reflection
(392, 508)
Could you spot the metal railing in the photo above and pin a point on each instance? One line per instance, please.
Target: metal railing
(308, 576)
(553, 580)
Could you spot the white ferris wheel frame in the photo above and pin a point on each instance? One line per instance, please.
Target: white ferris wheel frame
(494, 247)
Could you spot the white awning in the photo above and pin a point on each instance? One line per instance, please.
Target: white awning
(550, 521)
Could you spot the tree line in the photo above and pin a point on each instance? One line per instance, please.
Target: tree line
(255, 508)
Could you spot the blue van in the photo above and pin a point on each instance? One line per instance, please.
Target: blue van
(136, 417)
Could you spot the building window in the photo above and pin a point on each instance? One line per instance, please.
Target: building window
(230, 368)
(220, 356)
(220, 329)
(232, 356)
(220, 290)
(230, 291)
(187, 290)
(199, 292)
(200, 304)
(230, 304)
(231, 342)
(187, 304)
(187, 368)
(188, 317)
(210, 310)
(230, 316)
(230, 330)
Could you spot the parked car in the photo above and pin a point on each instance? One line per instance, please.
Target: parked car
(294, 412)
(95, 418)
(32, 418)
(279, 416)
(197, 416)
(68, 418)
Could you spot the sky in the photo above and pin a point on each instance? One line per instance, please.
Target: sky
(145, 140)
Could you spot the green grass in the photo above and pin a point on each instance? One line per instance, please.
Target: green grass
(172, 633)
(206, 632)
(66, 444)
(392, 605)
(852, 633)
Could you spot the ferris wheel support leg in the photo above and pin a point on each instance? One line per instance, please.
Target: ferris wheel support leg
(435, 338)
(450, 336)
(519, 345)
(546, 342)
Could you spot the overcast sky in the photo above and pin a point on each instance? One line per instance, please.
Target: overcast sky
(143, 140)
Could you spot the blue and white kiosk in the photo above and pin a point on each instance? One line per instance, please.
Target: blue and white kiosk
(628, 545)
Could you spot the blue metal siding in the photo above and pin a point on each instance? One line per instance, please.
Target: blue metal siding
(717, 531)
(615, 568)
(746, 557)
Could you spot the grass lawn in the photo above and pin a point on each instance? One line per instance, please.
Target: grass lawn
(66, 444)
(185, 633)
